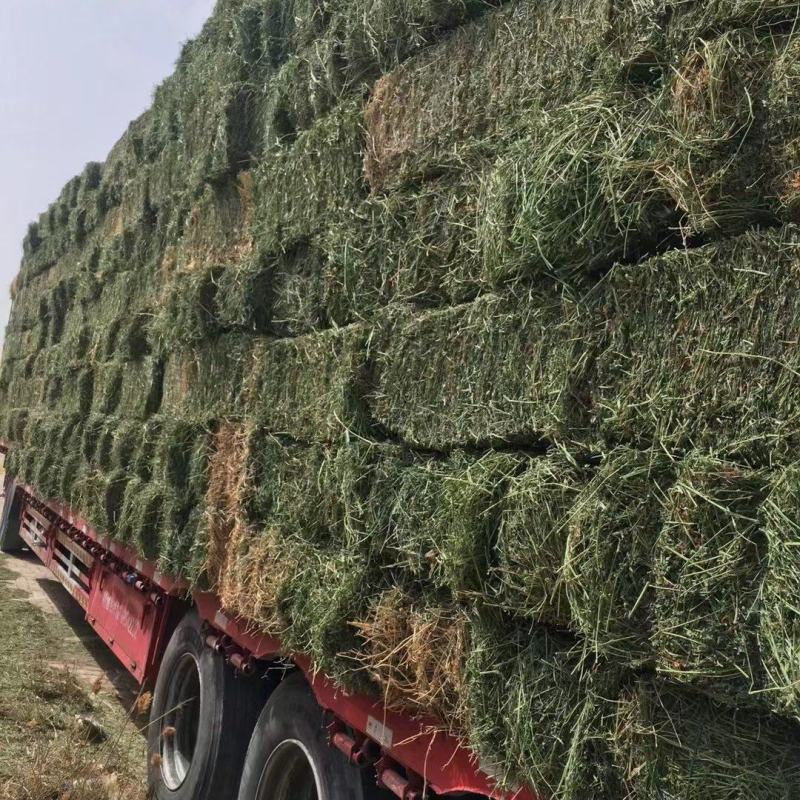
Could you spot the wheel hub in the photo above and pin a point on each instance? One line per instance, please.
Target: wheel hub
(290, 774)
(181, 723)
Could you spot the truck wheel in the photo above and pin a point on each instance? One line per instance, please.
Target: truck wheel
(10, 540)
(201, 720)
(289, 756)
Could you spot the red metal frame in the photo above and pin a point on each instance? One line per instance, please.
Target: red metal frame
(130, 604)
(129, 608)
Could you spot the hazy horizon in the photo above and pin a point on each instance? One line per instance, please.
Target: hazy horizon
(72, 76)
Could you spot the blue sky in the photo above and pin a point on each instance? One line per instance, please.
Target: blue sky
(73, 73)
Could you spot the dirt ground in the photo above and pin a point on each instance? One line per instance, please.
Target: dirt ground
(71, 721)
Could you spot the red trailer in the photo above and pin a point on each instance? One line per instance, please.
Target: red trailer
(234, 716)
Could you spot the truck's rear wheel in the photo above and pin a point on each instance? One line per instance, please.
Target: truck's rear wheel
(201, 719)
(289, 756)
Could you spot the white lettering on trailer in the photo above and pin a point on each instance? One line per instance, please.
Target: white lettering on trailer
(118, 609)
(379, 732)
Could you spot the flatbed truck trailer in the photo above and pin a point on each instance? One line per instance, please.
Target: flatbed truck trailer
(234, 716)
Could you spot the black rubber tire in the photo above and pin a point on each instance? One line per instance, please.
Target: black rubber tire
(291, 716)
(229, 706)
(10, 540)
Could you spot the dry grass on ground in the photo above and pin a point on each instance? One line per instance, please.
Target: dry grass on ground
(46, 747)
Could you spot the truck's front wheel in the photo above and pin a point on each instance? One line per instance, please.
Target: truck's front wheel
(200, 722)
(290, 758)
(10, 540)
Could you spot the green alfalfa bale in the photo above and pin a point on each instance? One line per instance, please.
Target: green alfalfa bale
(77, 390)
(313, 388)
(49, 462)
(206, 84)
(134, 206)
(268, 460)
(199, 465)
(699, 352)
(318, 604)
(180, 531)
(527, 578)
(305, 87)
(403, 502)
(23, 343)
(102, 456)
(24, 311)
(142, 387)
(180, 457)
(245, 296)
(116, 485)
(210, 380)
(72, 460)
(712, 154)
(167, 176)
(60, 299)
(576, 193)
(18, 463)
(134, 337)
(78, 226)
(608, 569)
(15, 424)
(33, 434)
(173, 451)
(305, 291)
(188, 556)
(126, 530)
(271, 31)
(127, 441)
(143, 459)
(41, 253)
(324, 281)
(124, 337)
(317, 494)
(699, 19)
(110, 304)
(73, 464)
(129, 249)
(92, 431)
(499, 370)
(531, 711)
(779, 625)
(77, 338)
(670, 742)
(710, 558)
(90, 201)
(471, 91)
(107, 387)
(90, 493)
(29, 393)
(30, 379)
(442, 520)
(188, 310)
(377, 36)
(784, 130)
(301, 183)
(128, 388)
(465, 525)
(217, 228)
(419, 245)
(146, 516)
(11, 371)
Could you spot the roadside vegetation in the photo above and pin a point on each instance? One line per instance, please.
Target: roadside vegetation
(60, 739)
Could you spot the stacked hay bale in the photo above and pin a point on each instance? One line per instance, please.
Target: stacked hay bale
(455, 343)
